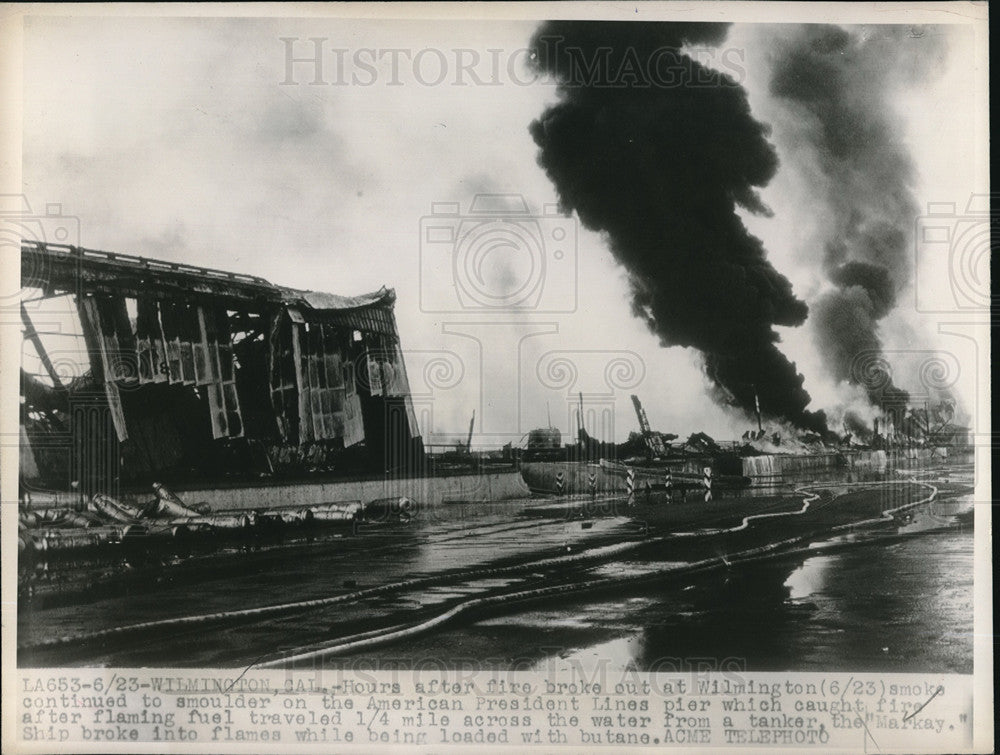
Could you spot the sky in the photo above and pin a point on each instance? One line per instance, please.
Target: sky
(196, 140)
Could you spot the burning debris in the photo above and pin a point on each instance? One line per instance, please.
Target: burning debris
(662, 170)
(856, 428)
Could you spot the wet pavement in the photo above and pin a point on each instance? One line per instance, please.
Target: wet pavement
(394, 577)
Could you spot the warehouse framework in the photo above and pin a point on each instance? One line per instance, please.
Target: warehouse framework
(193, 372)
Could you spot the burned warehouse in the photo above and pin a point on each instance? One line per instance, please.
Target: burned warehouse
(135, 369)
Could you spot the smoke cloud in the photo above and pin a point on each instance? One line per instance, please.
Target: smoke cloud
(839, 86)
(657, 151)
(857, 426)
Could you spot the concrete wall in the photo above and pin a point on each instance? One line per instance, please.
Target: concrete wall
(427, 491)
(497, 486)
(430, 491)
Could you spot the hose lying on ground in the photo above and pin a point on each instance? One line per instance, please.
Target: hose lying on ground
(602, 552)
(593, 554)
(393, 634)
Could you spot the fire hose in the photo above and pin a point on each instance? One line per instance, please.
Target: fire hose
(594, 554)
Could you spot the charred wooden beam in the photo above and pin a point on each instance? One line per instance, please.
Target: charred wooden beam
(32, 335)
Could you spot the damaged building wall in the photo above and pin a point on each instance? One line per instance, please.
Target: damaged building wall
(196, 373)
(313, 388)
(337, 378)
(157, 416)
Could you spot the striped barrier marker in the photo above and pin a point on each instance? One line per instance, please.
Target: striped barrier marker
(668, 483)
(630, 486)
(560, 480)
(592, 484)
(706, 480)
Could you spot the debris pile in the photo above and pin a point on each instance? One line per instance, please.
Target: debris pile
(166, 519)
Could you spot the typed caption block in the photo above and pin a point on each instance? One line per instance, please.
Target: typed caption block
(94, 709)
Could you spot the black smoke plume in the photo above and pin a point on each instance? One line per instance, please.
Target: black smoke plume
(657, 151)
(840, 87)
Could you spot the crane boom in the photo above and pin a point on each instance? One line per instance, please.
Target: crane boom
(472, 422)
(653, 440)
